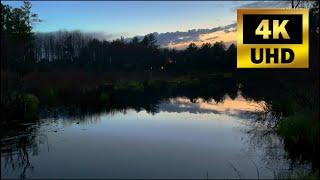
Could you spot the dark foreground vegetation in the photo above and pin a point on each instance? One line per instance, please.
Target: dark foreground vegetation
(42, 72)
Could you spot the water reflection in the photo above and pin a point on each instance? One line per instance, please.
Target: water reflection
(181, 138)
(228, 106)
(17, 143)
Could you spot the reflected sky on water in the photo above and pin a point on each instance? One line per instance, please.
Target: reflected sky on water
(183, 139)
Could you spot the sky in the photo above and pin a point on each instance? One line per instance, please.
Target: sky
(121, 18)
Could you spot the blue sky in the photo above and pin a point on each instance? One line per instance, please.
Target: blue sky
(133, 17)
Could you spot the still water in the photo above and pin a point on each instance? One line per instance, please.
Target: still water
(182, 139)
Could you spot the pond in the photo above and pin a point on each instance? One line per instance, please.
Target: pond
(182, 138)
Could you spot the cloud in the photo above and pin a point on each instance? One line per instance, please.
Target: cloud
(226, 34)
(267, 4)
(96, 35)
(180, 40)
(104, 35)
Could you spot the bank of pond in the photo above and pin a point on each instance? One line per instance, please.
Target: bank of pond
(292, 116)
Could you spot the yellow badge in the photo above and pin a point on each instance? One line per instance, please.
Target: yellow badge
(273, 38)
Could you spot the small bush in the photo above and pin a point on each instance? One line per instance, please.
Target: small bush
(103, 98)
(155, 84)
(299, 126)
(19, 106)
(31, 108)
(48, 96)
(135, 86)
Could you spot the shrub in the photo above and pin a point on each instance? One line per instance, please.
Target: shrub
(135, 86)
(31, 107)
(103, 98)
(299, 126)
(48, 96)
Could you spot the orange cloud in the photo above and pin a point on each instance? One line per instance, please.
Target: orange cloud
(227, 37)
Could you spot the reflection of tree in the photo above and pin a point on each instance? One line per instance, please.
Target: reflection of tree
(287, 98)
(17, 142)
(276, 156)
(148, 98)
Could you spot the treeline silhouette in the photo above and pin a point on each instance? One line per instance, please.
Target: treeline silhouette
(65, 50)
(23, 51)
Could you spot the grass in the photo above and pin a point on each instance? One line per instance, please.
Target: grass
(299, 126)
(298, 175)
